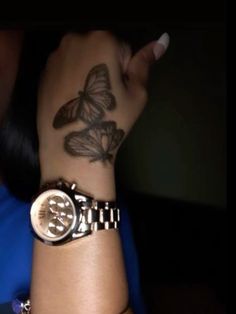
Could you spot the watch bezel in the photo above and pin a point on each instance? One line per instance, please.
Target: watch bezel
(35, 208)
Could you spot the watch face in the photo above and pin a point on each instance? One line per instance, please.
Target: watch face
(53, 215)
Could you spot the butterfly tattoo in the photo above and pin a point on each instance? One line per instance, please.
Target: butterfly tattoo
(96, 142)
(91, 103)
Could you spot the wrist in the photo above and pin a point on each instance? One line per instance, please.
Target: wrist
(96, 178)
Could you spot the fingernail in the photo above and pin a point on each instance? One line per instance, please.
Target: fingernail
(164, 40)
(161, 45)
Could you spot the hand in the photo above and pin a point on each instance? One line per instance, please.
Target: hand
(91, 94)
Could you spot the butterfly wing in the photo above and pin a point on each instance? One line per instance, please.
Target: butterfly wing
(89, 112)
(97, 79)
(111, 135)
(114, 135)
(82, 143)
(67, 113)
(97, 95)
(98, 87)
(96, 142)
(104, 99)
(91, 103)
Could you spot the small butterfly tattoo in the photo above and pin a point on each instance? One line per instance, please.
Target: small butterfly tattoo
(96, 142)
(91, 103)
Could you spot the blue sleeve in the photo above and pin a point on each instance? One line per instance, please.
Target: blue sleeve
(131, 261)
(16, 245)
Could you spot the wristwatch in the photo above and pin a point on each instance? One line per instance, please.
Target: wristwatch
(60, 213)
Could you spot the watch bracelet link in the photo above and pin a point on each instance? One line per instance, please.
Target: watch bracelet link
(102, 215)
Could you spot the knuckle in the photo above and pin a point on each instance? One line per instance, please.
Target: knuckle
(143, 96)
(99, 34)
(67, 39)
(103, 38)
(51, 58)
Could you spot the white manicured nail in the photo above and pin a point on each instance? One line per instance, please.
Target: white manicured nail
(164, 40)
(161, 45)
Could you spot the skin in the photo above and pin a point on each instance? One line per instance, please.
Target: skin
(88, 273)
(64, 77)
(83, 263)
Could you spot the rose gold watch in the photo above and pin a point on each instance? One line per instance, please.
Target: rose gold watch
(60, 214)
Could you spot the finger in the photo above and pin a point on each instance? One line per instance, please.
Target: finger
(139, 65)
(125, 56)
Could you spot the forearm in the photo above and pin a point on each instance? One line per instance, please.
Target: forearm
(96, 179)
(92, 92)
(81, 277)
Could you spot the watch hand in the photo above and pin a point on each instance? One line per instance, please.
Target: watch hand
(61, 221)
(51, 210)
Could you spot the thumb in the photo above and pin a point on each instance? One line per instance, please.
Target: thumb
(138, 67)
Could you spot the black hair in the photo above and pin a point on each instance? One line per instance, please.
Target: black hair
(18, 135)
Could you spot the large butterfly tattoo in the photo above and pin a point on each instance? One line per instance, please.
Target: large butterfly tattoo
(96, 142)
(91, 103)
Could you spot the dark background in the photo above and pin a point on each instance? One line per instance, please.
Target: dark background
(172, 167)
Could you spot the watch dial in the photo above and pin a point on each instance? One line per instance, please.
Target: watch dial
(53, 215)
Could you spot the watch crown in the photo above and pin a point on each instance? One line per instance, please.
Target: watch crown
(60, 183)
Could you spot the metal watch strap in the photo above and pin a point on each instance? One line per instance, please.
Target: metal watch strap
(93, 214)
(103, 215)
